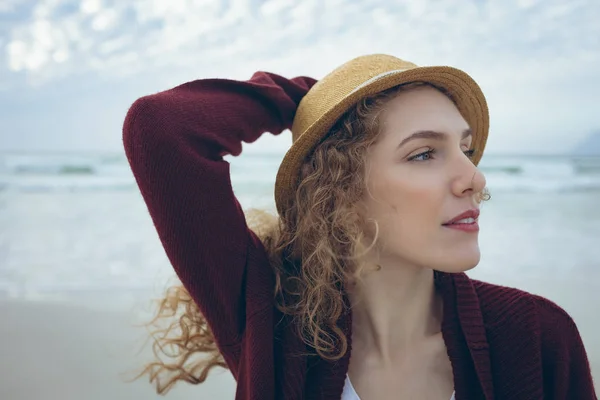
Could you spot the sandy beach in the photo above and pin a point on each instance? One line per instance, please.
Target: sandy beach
(54, 351)
(58, 351)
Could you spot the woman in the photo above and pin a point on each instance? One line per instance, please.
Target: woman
(378, 200)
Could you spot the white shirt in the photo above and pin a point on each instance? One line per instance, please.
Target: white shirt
(350, 394)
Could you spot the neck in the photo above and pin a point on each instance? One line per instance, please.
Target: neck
(395, 309)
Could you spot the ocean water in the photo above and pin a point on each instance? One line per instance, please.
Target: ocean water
(76, 224)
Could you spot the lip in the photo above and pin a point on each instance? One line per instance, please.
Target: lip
(472, 213)
(473, 227)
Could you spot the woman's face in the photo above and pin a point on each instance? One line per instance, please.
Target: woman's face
(416, 184)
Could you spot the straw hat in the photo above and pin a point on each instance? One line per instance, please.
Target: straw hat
(365, 76)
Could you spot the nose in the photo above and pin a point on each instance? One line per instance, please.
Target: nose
(469, 180)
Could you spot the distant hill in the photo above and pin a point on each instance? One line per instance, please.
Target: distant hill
(590, 146)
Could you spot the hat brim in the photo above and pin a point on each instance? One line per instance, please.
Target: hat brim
(466, 93)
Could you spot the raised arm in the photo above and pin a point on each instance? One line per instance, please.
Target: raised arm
(175, 142)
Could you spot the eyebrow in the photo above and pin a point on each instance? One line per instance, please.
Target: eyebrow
(427, 134)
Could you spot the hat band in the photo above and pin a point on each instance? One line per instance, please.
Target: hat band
(378, 77)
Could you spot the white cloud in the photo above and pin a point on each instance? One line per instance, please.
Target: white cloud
(271, 8)
(114, 45)
(528, 55)
(8, 5)
(17, 51)
(105, 19)
(60, 56)
(187, 32)
(525, 4)
(90, 6)
(46, 8)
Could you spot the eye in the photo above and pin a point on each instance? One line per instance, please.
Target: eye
(425, 156)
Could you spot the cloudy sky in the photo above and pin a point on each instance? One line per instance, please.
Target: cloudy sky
(70, 69)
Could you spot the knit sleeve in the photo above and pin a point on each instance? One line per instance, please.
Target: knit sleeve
(567, 373)
(175, 141)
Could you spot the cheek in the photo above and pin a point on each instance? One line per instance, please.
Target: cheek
(407, 203)
(405, 192)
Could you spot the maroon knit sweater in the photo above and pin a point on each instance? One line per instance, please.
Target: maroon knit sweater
(503, 343)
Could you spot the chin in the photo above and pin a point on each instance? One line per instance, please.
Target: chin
(457, 265)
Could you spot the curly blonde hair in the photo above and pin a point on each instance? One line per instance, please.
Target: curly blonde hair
(314, 249)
